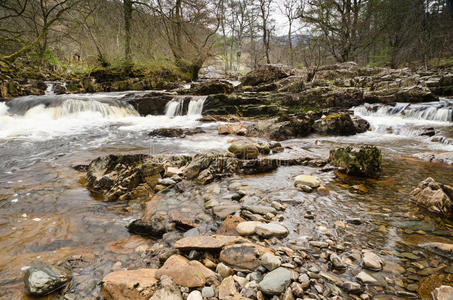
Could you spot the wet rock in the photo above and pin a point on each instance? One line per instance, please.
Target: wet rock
(428, 132)
(443, 293)
(435, 196)
(184, 272)
(439, 248)
(244, 151)
(336, 261)
(361, 125)
(175, 132)
(42, 279)
(331, 277)
(205, 242)
(211, 87)
(366, 278)
(207, 292)
(335, 124)
(259, 209)
(275, 282)
(318, 244)
(243, 257)
(225, 210)
(227, 288)
(229, 225)
(247, 228)
(271, 230)
(307, 180)
(168, 291)
(270, 261)
(129, 284)
(352, 287)
(223, 270)
(238, 129)
(365, 161)
(372, 261)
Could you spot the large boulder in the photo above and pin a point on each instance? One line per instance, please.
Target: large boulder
(41, 279)
(364, 162)
(266, 74)
(335, 124)
(212, 87)
(435, 196)
(152, 103)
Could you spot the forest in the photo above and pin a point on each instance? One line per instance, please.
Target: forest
(234, 35)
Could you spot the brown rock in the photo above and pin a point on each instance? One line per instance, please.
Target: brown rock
(207, 242)
(435, 196)
(227, 288)
(243, 257)
(129, 284)
(239, 129)
(184, 272)
(223, 211)
(229, 225)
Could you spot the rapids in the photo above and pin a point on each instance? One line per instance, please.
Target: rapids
(46, 212)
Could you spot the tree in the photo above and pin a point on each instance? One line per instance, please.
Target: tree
(265, 13)
(290, 9)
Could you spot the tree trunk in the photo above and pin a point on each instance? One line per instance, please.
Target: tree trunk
(43, 48)
(127, 9)
(290, 44)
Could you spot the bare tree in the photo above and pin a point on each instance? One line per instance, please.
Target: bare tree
(290, 9)
(266, 27)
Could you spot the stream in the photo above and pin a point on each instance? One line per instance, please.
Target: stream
(46, 212)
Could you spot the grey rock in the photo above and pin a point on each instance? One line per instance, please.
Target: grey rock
(337, 261)
(352, 287)
(207, 292)
(275, 282)
(258, 209)
(41, 279)
(271, 229)
(372, 261)
(270, 262)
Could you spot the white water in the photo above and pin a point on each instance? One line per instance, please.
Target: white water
(176, 106)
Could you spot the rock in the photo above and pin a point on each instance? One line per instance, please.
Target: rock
(204, 242)
(366, 278)
(42, 279)
(223, 211)
(331, 277)
(335, 124)
(428, 132)
(266, 74)
(207, 292)
(223, 270)
(308, 180)
(247, 228)
(175, 132)
(352, 287)
(336, 261)
(270, 261)
(238, 129)
(211, 87)
(372, 261)
(243, 257)
(365, 161)
(244, 151)
(227, 288)
(184, 272)
(195, 295)
(435, 196)
(288, 295)
(129, 284)
(443, 293)
(259, 209)
(361, 125)
(275, 282)
(229, 225)
(271, 229)
(439, 248)
(168, 291)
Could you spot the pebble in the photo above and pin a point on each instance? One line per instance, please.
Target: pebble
(337, 261)
(195, 295)
(271, 229)
(270, 262)
(275, 282)
(372, 261)
(366, 278)
(207, 292)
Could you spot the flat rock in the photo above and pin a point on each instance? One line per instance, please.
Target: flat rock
(247, 228)
(440, 248)
(129, 284)
(271, 229)
(227, 288)
(42, 279)
(259, 209)
(331, 277)
(243, 257)
(308, 180)
(443, 293)
(223, 211)
(184, 272)
(207, 242)
(275, 282)
(270, 261)
(372, 261)
(229, 225)
(366, 278)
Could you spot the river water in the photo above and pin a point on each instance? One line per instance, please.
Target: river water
(47, 214)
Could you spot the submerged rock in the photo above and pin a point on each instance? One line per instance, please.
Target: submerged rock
(42, 279)
(443, 293)
(129, 284)
(435, 196)
(365, 161)
(207, 242)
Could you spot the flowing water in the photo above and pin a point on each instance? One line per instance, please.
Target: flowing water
(47, 214)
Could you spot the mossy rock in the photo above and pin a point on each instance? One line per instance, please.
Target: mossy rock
(244, 151)
(364, 162)
(335, 124)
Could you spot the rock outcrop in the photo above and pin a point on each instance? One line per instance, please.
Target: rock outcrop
(364, 161)
(435, 196)
(335, 124)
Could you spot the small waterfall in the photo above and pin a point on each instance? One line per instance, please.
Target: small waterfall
(435, 111)
(177, 107)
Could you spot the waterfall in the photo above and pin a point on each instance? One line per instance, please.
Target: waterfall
(176, 106)
(441, 111)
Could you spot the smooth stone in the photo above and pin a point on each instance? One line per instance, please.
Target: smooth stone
(308, 180)
(337, 261)
(207, 292)
(270, 261)
(247, 228)
(223, 211)
(259, 209)
(275, 282)
(443, 293)
(203, 242)
(366, 278)
(42, 279)
(392, 267)
(271, 229)
(129, 284)
(184, 272)
(228, 226)
(195, 295)
(372, 261)
(243, 257)
(318, 244)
